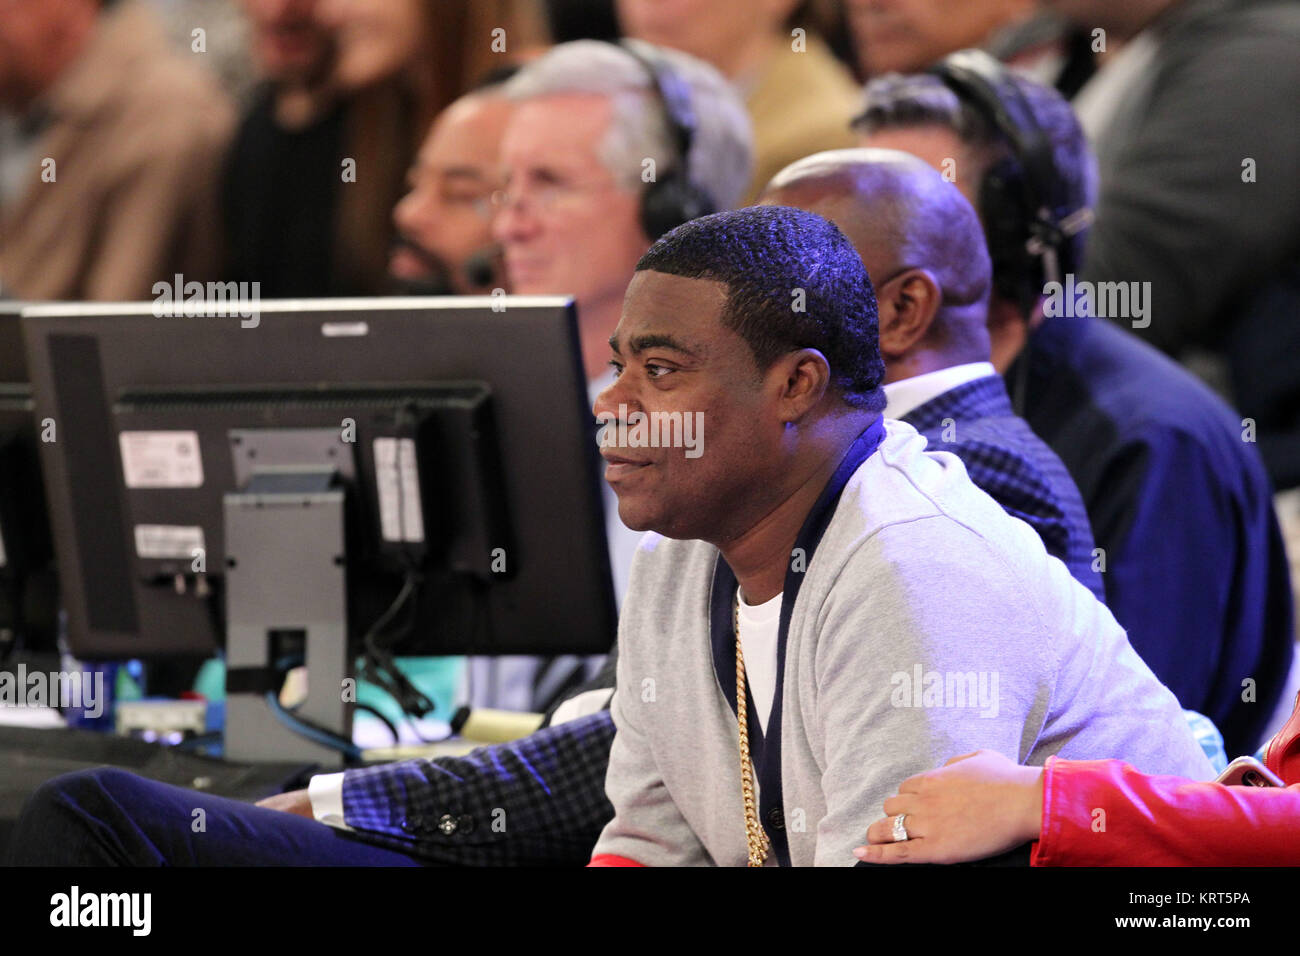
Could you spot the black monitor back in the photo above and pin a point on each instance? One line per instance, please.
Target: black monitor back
(28, 584)
(97, 368)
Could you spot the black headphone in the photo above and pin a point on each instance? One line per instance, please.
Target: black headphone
(672, 198)
(1022, 198)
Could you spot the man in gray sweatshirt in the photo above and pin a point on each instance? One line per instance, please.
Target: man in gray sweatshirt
(855, 596)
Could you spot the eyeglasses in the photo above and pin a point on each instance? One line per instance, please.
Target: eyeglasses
(544, 197)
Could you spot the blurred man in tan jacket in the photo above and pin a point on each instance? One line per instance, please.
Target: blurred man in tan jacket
(108, 174)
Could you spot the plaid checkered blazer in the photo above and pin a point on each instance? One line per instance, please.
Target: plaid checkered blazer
(541, 800)
(535, 801)
(1013, 466)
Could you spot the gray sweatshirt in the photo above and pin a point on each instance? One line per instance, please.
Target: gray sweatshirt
(928, 624)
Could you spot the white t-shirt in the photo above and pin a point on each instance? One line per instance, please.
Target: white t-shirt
(759, 625)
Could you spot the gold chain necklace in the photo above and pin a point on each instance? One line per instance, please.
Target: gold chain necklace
(755, 835)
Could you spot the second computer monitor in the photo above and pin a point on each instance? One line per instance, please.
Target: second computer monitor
(453, 435)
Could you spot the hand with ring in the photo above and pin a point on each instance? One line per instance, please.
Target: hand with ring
(975, 806)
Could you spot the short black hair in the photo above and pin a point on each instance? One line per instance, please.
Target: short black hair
(793, 281)
(896, 101)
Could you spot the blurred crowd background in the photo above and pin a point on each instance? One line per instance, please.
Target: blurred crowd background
(205, 137)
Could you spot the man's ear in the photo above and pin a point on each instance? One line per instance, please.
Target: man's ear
(907, 305)
(804, 376)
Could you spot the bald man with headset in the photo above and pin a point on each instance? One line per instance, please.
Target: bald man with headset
(922, 244)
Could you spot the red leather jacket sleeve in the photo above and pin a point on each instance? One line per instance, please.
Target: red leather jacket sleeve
(1106, 813)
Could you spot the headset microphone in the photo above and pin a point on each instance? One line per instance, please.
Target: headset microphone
(1023, 202)
(482, 268)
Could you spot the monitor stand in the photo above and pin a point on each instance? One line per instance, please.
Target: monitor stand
(286, 595)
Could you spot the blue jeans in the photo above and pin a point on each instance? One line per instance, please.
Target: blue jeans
(109, 817)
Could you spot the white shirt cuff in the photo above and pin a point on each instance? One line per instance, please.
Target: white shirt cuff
(588, 702)
(325, 791)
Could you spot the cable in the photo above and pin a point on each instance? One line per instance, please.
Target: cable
(305, 728)
(198, 742)
(374, 711)
(301, 725)
(379, 665)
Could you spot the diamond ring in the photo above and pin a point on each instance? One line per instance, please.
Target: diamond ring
(900, 831)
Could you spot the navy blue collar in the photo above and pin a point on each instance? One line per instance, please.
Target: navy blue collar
(765, 750)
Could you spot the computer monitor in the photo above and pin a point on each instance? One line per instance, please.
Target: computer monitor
(421, 468)
(28, 582)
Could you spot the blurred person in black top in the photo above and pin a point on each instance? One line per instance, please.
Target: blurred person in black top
(320, 159)
(281, 175)
(1194, 123)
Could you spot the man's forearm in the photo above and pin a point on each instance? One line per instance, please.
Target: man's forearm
(539, 800)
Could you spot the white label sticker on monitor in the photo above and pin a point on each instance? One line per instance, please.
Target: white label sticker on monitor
(161, 459)
(400, 518)
(168, 541)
